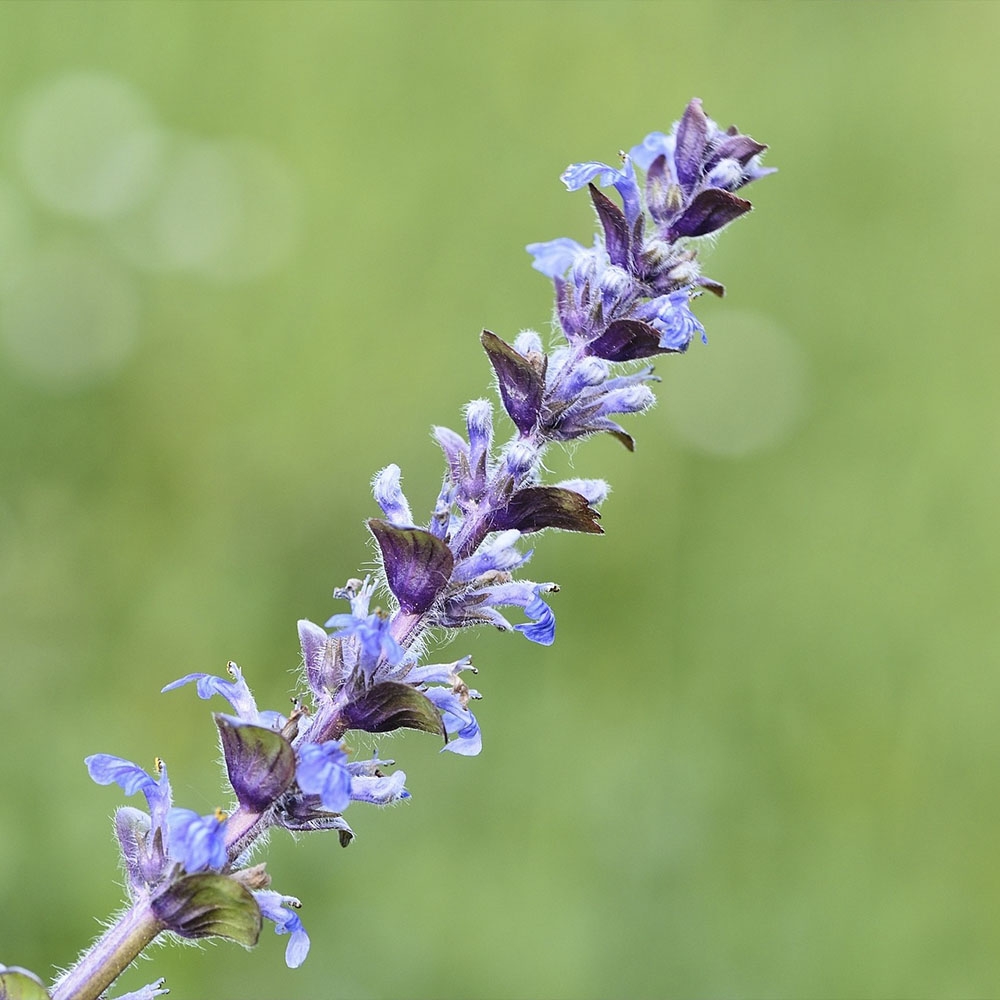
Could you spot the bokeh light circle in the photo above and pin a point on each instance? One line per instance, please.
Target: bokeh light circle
(87, 145)
(228, 210)
(72, 317)
(15, 232)
(741, 394)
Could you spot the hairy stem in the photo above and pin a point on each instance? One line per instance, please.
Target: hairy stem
(242, 829)
(111, 955)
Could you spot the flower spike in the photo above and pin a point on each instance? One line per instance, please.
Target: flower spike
(620, 301)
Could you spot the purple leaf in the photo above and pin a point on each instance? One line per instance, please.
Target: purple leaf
(736, 147)
(715, 287)
(538, 507)
(711, 209)
(521, 382)
(692, 134)
(260, 762)
(621, 435)
(658, 189)
(627, 340)
(390, 706)
(417, 564)
(615, 227)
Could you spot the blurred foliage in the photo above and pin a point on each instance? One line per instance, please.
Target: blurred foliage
(761, 758)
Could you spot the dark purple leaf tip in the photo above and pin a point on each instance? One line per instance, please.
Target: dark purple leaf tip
(627, 340)
(711, 209)
(417, 564)
(692, 134)
(615, 227)
(624, 438)
(521, 381)
(538, 507)
(736, 147)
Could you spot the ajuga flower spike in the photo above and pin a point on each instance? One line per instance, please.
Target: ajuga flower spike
(619, 302)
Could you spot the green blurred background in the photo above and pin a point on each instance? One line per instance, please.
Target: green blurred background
(245, 254)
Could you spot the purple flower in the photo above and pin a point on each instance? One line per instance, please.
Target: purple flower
(281, 910)
(692, 173)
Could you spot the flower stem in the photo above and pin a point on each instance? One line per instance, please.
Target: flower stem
(111, 955)
(242, 829)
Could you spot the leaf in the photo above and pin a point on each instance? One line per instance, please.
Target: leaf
(521, 382)
(736, 147)
(260, 762)
(306, 819)
(692, 134)
(715, 287)
(627, 340)
(615, 227)
(20, 984)
(391, 705)
(417, 564)
(537, 507)
(209, 905)
(658, 189)
(711, 209)
(625, 438)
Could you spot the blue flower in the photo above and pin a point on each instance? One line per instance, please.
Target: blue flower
(379, 789)
(279, 909)
(458, 720)
(322, 770)
(236, 692)
(107, 769)
(372, 632)
(197, 842)
(323, 661)
(555, 257)
(578, 175)
(374, 636)
(655, 144)
(671, 315)
(543, 627)
(389, 496)
(496, 555)
(468, 741)
(148, 992)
